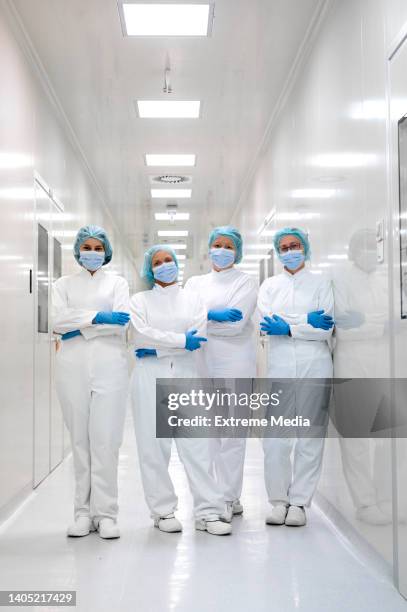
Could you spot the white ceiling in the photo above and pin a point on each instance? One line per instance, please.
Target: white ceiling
(237, 73)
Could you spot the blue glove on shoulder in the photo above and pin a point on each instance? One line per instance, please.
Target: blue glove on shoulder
(275, 326)
(193, 342)
(70, 334)
(111, 318)
(140, 353)
(319, 320)
(225, 314)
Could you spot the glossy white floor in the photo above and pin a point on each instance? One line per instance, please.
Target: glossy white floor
(258, 568)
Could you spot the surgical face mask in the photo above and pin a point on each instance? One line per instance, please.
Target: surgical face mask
(92, 260)
(292, 259)
(166, 272)
(222, 258)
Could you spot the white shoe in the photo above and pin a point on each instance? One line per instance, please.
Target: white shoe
(237, 507)
(216, 527)
(233, 508)
(295, 516)
(82, 526)
(169, 524)
(108, 529)
(372, 515)
(277, 515)
(228, 514)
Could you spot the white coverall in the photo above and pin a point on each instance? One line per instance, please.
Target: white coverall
(229, 353)
(306, 354)
(92, 384)
(161, 317)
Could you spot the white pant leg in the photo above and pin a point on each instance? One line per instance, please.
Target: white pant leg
(357, 471)
(229, 466)
(154, 453)
(308, 454)
(106, 423)
(277, 468)
(72, 384)
(196, 456)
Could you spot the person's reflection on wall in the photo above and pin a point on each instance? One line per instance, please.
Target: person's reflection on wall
(361, 351)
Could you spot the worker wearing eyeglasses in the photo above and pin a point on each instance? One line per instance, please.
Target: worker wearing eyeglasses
(297, 307)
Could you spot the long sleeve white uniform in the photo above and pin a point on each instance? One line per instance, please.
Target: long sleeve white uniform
(92, 383)
(231, 348)
(160, 318)
(292, 296)
(76, 300)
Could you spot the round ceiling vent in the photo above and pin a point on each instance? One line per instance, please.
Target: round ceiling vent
(171, 179)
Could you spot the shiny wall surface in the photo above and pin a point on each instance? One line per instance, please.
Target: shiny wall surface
(33, 137)
(323, 167)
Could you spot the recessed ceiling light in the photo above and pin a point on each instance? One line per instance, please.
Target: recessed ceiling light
(168, 109)
(141, 19)
(171, 217)
(176, 247)
(170, 159)
(171, 193)
(174, 233)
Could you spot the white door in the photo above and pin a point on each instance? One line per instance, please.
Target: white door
(48, 426)
(398, 232)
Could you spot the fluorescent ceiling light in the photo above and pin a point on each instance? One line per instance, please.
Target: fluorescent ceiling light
(297, 216)
(166, 19)
(176, 246)
(171, 193)
(180, 256)
(259, 246)
(153, 159)
(171, 216)
(14, 160)
(257, 257)
(174, 233)
(168, 109)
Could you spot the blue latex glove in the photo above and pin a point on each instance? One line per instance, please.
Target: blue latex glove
(350, 319)
(111, 318)
(71, 334)
(275, 326)
(225, 314)
(319, 320)
(140, 353)
(192, 342)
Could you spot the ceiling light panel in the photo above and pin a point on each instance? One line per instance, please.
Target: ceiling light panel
(168, 109)
(172, 233)
(171, 193)
(153, 159)
(172, 217)
(169, 19)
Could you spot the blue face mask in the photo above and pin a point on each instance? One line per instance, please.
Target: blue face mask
(92, 260)
(166, 272)
(222, 258)
(292, 259)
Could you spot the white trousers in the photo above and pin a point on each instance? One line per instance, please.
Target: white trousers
(292, 483)
(155, 453)
(92, 384)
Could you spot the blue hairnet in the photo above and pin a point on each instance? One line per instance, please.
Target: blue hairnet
(147, 269)
(293, 231)
(93, 231)
(230, 232)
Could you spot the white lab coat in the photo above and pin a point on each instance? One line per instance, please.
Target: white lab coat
(229, 353)
(160, 318)
(92, 384)
(306, 354)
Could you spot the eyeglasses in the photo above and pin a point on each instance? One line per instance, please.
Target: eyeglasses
(293, 246)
